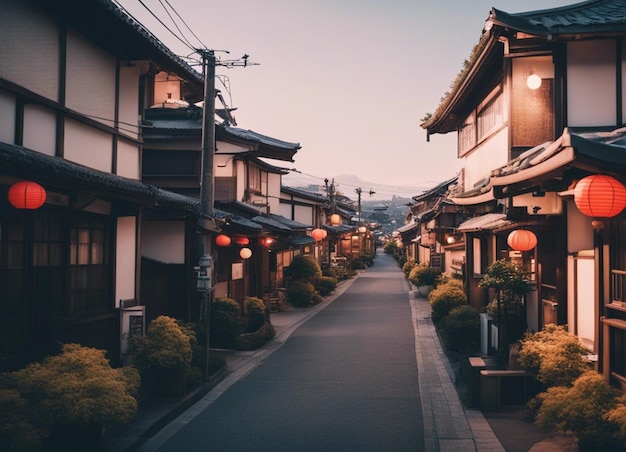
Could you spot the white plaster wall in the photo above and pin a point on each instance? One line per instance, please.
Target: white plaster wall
(166, 87)
(88, 146)
(7, 118)
(304, 214)
(223, 165)
(129, 100)
(29, 41)
(128, 159)
(273, 191)
(40, 129)
(591, 83)
(163, 241)
(91, 77)
(487, 156)
(125, 259)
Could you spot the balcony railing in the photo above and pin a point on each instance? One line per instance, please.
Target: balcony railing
(618, 287)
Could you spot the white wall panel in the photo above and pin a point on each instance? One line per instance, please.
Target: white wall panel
(591, 83)
(127, 160)
(88, 146)
(90, 80)
(40, 129)
(489, 155)
(125, 259)
(129, 100)
(7, 118)
(29, 49)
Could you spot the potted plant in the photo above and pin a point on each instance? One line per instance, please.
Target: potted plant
(67, 400)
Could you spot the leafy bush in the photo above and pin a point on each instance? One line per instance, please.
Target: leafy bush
(225, 322)
(617, 416)
(165, 348)
(325, 285)
(424, 275)
(256, 313)
(330, 272)
(461, 329)
(76, 388)
(302, 294)
(444, 298)
(554, 354)
(303, 268)
(581, 409)
(407, 267)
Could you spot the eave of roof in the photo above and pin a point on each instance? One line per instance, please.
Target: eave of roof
(319, 197)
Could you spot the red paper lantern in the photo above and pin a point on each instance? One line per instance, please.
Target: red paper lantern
(318, 234)
(27, 195)
(600, 196)
(266, 241)
(222, 240)
(241, 240)
(522, 240)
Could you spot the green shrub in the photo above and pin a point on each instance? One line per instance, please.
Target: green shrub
(554, 354)
(424, 275)
(325, 285)
(330, 272)
(581, 409)
(77, 388)
(407, 267)
(461, 329)
(302, 294)
(617, 416)
(225, 323)
(390, 247)
(257, 313)
(444, 298)
(303, 268)
(165, 348)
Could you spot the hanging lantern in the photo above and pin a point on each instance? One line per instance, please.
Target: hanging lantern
(318, 234)
(362, 229)
(241, 240)
(222, 240)
(245, 253)
(27, 195)
(600, 196)
(266, 241)
(522, 240)
(335, 219)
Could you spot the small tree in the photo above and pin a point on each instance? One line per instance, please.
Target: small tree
(424, 275)
(511, 284)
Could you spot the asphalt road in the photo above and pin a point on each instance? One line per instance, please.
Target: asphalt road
(346, 380)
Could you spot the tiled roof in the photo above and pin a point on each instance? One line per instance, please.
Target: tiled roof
(320, 197)
(596, 16)
(250, 135)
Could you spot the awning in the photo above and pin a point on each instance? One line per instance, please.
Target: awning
(407, 227)
(488, 221)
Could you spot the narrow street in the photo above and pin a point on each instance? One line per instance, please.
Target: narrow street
(344, 380)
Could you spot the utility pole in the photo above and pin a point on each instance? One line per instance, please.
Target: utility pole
(207, 190)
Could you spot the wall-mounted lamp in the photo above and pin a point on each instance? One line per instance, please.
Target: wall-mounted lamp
(362, 229)
(450, 240)
(533, 81)
(245, 253)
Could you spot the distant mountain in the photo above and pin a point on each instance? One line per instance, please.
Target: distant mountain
(346, 184)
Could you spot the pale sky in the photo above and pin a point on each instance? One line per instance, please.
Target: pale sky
(349, 80)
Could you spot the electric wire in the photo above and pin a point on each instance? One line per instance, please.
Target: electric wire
(174, 22)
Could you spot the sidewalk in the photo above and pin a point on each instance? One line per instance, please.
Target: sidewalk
(448, 426)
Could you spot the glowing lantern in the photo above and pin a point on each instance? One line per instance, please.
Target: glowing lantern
(318, 234)
(522, 240)
(362, 229)
(241, 240)
(222, 240)
(335, 219)
(266, 241)
(245, 253)
(600, 196)
(27, 195)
